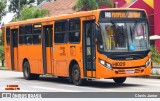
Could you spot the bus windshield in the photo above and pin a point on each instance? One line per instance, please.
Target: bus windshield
(123, 37)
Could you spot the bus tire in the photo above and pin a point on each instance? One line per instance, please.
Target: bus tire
(27, 73)
(76, 78)
(119, 80)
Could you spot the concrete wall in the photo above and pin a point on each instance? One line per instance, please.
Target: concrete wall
(157, 21)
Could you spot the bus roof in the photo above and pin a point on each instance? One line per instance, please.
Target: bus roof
(67, 16)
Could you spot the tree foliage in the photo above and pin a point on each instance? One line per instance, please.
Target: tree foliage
(91, 4)
(1, 37)
(110, 3)
(2, 47)
(2, 8)
(33, 12)
(13, 7)
(155, 54)
(1, 52)
(29, 12)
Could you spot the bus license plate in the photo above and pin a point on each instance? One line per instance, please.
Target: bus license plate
(129, 71)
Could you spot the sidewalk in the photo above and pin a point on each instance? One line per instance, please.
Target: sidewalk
(153, 76)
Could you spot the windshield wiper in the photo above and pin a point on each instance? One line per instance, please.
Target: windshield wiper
(131, 33)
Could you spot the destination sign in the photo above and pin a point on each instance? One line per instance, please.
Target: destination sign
(126, 14)
(37, 26)
(122, 14)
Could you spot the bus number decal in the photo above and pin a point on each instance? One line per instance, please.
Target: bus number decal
(118, 64)
(63, 53)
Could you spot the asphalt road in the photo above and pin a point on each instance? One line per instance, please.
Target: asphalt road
(53, 84)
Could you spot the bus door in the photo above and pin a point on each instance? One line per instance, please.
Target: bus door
(89, 48)
(7, 49)
(60, 51)
(47, 48)
(14, 49)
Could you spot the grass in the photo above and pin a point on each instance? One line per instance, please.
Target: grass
(3, 67)
(155, 74)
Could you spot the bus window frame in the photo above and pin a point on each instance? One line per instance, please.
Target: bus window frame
(64, 32)
(26, 35)
(36, 33)
(22, 35)
(9, 36)
(71, 31)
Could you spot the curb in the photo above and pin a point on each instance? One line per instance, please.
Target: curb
(3, 68)
(151, 77)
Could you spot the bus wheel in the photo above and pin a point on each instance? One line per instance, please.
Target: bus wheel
(26, 72)
(76, 75)
(119, 80)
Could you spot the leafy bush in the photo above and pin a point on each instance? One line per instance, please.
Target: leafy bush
(30, 12)
(2, 54)
(155, 54)
(91, 4)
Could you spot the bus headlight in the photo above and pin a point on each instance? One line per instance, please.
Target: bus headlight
(102, 62)
(147, 63)
(108, 65)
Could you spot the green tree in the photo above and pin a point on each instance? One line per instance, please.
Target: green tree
(155, 55)
(13, 7)
(29, 12)
(2, 47)
(91, 4)
(2, 13)
(2, 8)
(2, 54)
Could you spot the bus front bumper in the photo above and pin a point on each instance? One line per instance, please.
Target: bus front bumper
(129, 72)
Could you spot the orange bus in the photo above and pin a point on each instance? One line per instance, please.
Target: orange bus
(106, 43)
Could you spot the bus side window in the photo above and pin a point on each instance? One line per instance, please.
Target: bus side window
(60, 33)
(74, 31)
(8, 36)
(37, 34)
(21, 34)
(28, 34)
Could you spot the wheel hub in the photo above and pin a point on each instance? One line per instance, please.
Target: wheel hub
(76, 75)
